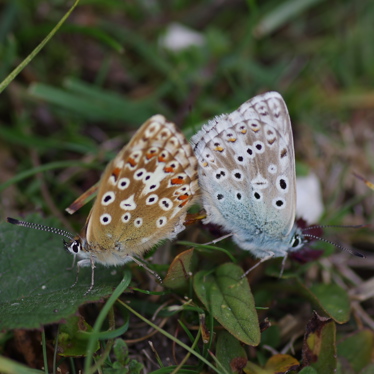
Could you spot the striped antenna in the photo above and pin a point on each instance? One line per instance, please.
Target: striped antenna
(37, 226)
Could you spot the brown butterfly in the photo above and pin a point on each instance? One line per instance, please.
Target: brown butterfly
(143, 197)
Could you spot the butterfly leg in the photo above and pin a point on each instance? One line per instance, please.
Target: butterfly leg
(218, 239)
(80, 264)
(73, 264)
(270, 256)
(92, 262)
(140, 263)
(283, 265)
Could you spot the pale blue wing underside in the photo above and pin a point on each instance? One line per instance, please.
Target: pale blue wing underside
(247, 174)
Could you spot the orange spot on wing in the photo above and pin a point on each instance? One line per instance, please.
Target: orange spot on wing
(219, 149)
(183, 204)
(161, 159)
(150, 155)
(116, 172)
(177, 181)
(131, 161)
(183, 197)
(168, 169)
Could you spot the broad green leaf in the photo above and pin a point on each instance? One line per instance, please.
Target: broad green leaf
(35, 285)
(334, 301)
(230, 353)
(329, 298)
(357, 349)
(319, 348)
(180, 269)
(228, 297)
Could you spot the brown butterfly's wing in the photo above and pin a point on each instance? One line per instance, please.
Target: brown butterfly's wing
(143, 194)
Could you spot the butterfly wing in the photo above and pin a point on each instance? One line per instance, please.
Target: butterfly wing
(143, 194)
(247, 173)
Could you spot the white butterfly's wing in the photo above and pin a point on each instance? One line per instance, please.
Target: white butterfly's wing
(247, 173)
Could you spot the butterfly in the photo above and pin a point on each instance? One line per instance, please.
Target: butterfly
(247, 176)
(142, 198)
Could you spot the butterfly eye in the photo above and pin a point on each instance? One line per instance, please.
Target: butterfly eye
(296, 241)
(73, 247)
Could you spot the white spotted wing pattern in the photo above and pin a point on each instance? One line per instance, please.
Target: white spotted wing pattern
(247, 176)
(142, 198)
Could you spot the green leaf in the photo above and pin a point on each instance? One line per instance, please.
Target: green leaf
(35, 285)
(71, 343)
(308, 370)
(121, 351)
(334, 301)
(182, 266)
(281, 363)
(319, 348)
(329, 298)
(228, 297)
(368, 369)
(230, 352)
(357, 349)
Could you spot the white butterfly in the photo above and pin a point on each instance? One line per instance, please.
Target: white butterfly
(247, 176)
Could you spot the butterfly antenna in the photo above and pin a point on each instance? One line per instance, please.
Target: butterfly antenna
(336, 226)
(352, 252)
(37, 226)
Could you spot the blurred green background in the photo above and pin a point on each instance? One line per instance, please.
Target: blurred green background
(110, 67)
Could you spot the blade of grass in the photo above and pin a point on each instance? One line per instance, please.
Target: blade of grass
(30, 57)
(282, 14)
(100, 319)
(171, 337)
(51, 166)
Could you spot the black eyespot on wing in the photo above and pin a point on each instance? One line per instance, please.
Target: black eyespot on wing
(279, 203)
(237, 175)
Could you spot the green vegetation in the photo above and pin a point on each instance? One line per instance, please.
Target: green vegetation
(79, 100)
